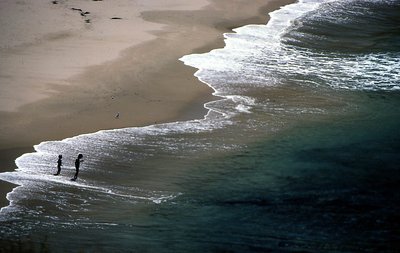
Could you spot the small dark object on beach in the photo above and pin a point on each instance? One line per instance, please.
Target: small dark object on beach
(54, 2)
(116, 18)
(76, 9)
(87, 21)
(83, 14)
(97, 0)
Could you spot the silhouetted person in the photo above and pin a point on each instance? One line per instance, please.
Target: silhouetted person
(59, 164)
(77, 164)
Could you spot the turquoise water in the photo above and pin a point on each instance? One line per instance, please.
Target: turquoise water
(301, 154)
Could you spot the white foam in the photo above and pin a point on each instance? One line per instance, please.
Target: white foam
(28, 180)
(255, 55)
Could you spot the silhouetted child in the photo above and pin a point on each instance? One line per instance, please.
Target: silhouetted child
(59, 164)
(77, 164)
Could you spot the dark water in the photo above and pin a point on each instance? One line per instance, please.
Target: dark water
(353, 27)
(302, 153)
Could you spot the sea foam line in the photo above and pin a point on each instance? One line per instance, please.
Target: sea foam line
(21, 177)
(238, 42)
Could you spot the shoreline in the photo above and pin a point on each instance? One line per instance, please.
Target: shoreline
(131, 82)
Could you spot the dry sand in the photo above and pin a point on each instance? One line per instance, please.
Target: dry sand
(64, 74)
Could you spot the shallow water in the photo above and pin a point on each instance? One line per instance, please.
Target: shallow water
(300, 154)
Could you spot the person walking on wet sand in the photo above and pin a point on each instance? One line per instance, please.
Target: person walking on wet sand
(59, 164)
(77, 165)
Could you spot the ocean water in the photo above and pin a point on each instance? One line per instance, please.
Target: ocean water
(301, 152)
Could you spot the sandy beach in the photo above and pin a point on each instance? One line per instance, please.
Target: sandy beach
(69, 67)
